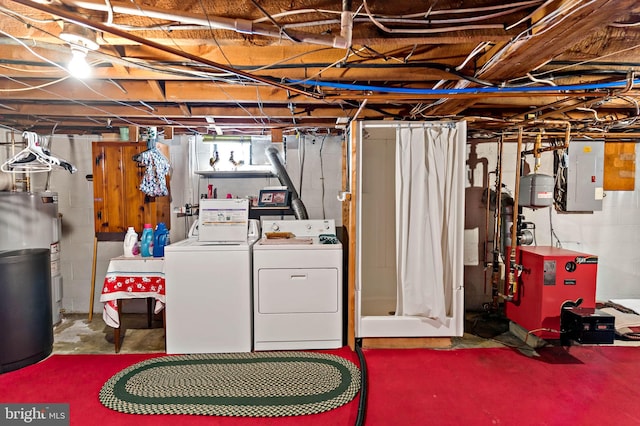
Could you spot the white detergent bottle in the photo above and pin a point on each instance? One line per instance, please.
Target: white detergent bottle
(130, 241)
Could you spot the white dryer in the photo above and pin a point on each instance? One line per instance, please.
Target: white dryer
(297, 286)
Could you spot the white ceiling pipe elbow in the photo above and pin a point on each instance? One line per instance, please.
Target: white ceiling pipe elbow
(346, 27)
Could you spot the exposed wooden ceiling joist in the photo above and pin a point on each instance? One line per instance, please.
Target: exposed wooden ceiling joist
(167, 66)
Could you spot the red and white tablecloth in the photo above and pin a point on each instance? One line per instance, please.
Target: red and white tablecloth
(132, 278)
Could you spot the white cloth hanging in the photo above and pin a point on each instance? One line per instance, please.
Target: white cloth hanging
(429, 217)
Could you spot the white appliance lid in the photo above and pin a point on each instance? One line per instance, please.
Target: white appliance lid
(223, 219)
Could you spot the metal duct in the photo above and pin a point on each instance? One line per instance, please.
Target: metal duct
(279, 170)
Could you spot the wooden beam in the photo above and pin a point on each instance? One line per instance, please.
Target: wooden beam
(551, 38)
(157, 89)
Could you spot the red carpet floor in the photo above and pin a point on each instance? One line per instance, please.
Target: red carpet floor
(579, 386)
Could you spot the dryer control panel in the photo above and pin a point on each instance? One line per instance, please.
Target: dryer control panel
(300, 228)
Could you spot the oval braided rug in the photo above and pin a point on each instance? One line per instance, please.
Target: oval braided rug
(263, 384)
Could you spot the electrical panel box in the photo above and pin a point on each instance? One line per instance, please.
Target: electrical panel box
(551, 276)
(581, 177)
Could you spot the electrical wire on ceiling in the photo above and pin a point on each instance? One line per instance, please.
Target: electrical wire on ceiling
(274, 22)
(595, 60)
(413, 15)
(378, 24)
(624, 24)
(101, 27)
(148, 16)
(288, 59)
(41, 88)
(257, 120)
(547, 22)
(409, 19)
(23, 20)
(296, 12)
(215, 39)
(345, 63)
(169, 122)
(260, 107)
(238, 25)
(466, 90)
(29, 88)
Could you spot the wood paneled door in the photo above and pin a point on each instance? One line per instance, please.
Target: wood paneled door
(118, 202)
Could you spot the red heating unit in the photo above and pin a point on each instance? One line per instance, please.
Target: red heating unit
(550, 276)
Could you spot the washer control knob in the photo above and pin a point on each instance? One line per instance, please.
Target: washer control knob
(308, 226)
(275, 227)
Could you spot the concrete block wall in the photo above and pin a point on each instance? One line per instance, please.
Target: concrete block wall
(612, 234)
(75, 197)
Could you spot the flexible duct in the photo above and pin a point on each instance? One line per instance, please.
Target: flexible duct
(299, 210)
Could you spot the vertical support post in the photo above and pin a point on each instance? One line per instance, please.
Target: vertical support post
(93, 277)
(349, 182)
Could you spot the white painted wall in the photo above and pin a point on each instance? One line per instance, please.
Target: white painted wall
(612, 234)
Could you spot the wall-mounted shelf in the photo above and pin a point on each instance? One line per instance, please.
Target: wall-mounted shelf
(235, 174)
(257, 212)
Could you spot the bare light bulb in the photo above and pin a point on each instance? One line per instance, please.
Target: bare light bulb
(78, 66)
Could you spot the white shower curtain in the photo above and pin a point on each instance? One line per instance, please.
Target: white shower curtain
(430, 161)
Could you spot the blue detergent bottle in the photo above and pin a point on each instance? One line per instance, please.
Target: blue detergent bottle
(160, 240)
(146, 241)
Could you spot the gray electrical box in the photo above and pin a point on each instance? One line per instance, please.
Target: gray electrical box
(581, 187)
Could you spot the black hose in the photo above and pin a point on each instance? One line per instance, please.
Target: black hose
(362, 403)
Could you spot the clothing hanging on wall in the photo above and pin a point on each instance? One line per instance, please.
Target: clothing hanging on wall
(154, 182)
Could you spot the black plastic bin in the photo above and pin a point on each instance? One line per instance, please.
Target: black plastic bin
(26, 325)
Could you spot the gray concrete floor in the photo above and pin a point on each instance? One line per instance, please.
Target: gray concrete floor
(76, 335)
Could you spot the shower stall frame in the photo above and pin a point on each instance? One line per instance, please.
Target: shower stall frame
(383, 326)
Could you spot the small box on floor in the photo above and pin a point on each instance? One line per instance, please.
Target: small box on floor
(587, 325)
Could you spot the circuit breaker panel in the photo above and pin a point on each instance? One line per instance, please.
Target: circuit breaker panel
(580, 172)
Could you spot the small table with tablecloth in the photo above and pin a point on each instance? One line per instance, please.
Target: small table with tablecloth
(131, 278)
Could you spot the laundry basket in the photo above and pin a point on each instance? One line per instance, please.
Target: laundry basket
(25, 308)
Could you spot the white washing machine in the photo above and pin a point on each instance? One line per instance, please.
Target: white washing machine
(297, 287)
(208, 289)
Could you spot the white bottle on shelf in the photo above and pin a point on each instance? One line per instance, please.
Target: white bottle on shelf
(130, 241)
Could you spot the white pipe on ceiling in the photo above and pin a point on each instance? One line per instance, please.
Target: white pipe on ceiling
(243, 26)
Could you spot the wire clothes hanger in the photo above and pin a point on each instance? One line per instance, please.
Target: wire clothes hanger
(152, 139)
(34, 158)
(151, 146)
